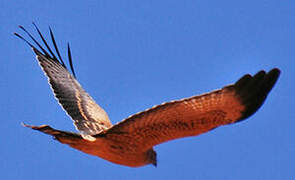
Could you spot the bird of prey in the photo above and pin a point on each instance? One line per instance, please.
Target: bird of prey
(131, 141)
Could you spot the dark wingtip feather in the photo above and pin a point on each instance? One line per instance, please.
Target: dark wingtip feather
(70, 60)
(272, 78)
(56, 48)
(44, 41)
(51, 56)
(253, 91)
(19, 36)
(35, 41)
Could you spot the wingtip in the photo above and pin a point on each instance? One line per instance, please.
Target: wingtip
(253, 90)
(44, 52)
(275, 73)
(275, 70)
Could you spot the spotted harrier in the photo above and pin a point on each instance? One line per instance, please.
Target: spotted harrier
(131, 141)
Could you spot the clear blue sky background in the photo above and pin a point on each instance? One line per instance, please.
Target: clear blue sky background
(132, 55)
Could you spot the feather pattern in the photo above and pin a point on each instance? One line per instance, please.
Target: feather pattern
(131, 141)
(196, 115)
(89, 118)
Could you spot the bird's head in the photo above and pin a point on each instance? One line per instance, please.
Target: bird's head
(152, 157)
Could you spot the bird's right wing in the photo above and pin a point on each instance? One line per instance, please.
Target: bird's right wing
(195, 115)
(89, 118)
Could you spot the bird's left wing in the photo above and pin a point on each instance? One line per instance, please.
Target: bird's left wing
(89, 118)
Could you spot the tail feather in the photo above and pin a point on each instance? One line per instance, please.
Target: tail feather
(57, 134)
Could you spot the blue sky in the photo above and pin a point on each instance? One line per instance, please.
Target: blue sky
(132, 55)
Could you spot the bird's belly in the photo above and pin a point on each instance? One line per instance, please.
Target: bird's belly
(116, 152)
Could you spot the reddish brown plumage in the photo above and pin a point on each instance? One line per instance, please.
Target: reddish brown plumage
(131, 141)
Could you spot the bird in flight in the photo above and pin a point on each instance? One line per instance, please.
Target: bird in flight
(131, 141)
